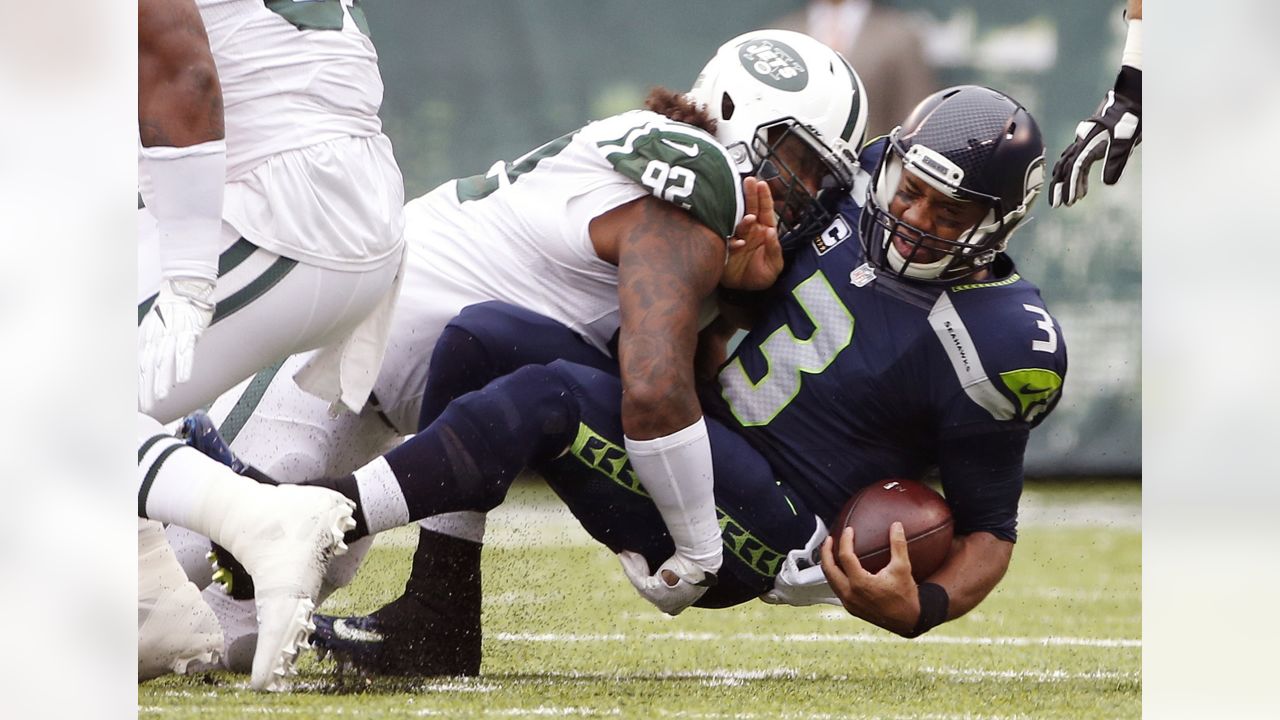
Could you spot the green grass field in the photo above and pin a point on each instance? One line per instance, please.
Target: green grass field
(566, 636)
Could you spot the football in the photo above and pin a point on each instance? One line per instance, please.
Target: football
(924, 516)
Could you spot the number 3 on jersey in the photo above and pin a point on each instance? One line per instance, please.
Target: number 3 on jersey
(673, 184)
(787, 356)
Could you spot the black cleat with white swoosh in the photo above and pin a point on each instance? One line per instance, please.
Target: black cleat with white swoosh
(432, 629)
(399, 641)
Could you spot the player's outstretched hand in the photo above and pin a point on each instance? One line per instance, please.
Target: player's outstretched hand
(675, 586)
(755, 254)
(167, 337)
(1110, 134)
(889, 598)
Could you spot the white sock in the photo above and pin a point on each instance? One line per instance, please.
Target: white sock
(381, 499)
(178, 484)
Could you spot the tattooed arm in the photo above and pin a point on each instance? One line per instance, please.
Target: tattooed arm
(667, 264)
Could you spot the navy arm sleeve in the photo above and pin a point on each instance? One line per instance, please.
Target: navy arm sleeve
(982, 481)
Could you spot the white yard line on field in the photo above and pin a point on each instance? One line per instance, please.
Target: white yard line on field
(822, 638)
(1038, 675)
(546, 523)
(696, 715)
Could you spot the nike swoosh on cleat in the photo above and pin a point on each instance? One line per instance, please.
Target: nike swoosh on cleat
(690, 150)
(343, 631)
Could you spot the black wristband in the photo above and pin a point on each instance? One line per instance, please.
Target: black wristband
(933, 608)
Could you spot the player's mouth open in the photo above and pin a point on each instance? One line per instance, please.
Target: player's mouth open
(923, 253)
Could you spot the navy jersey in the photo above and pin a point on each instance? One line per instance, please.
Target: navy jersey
(851, 377)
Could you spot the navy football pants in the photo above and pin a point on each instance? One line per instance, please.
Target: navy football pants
(761, 520)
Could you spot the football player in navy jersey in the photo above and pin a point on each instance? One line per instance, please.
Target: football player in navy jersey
(899, 339)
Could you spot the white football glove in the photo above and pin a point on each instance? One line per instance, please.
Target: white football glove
(167, 337)
(692, 582)
(801, 581)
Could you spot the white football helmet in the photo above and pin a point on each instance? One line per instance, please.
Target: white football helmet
(771, 87)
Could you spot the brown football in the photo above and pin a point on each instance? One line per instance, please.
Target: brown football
(924, 516)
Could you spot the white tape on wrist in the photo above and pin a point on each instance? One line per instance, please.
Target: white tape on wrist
(676, 471)
(1132, 55)
(186, 200)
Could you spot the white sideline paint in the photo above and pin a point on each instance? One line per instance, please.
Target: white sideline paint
(823, 638)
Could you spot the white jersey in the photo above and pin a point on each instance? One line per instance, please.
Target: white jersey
(520, 234)
(293, 75)
(310, 175)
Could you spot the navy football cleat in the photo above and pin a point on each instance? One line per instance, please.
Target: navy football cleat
(404, 638)
(200, 433)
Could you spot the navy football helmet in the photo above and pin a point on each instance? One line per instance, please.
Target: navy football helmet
(972, 144)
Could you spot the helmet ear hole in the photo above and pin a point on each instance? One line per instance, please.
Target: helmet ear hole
(726, 106)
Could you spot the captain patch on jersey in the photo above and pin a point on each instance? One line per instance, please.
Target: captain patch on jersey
(836, 233)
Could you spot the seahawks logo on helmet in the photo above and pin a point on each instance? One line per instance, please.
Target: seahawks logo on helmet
(775, 64)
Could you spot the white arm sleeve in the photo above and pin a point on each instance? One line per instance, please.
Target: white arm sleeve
(186, 199)
(676, 472)
(1132, 55)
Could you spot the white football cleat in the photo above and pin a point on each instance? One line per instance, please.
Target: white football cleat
(177, 631)
(285, 539)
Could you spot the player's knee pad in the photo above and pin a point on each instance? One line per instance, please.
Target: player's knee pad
(468, 368)
(484, 439)
(488, 340)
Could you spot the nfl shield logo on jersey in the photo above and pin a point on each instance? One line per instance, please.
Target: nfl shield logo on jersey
(862, 275)
(836, 233)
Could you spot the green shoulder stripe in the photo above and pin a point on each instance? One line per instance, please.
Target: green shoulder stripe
(479, 187)
(685, 168)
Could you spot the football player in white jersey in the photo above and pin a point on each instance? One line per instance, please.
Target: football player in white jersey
(618, 232)
(283, 236)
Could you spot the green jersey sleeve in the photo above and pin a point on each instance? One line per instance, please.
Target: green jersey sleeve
(682, 165)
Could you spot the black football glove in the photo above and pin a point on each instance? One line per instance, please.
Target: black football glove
(1112, 133)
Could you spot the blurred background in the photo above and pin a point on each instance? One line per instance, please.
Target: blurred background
(469, 83)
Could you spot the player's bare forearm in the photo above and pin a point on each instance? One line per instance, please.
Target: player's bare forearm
(972, 570)
(179, 96)
(1134, 10)
(667, 264)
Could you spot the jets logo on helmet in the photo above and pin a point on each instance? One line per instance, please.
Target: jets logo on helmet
(775, 63)
(785, 106)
